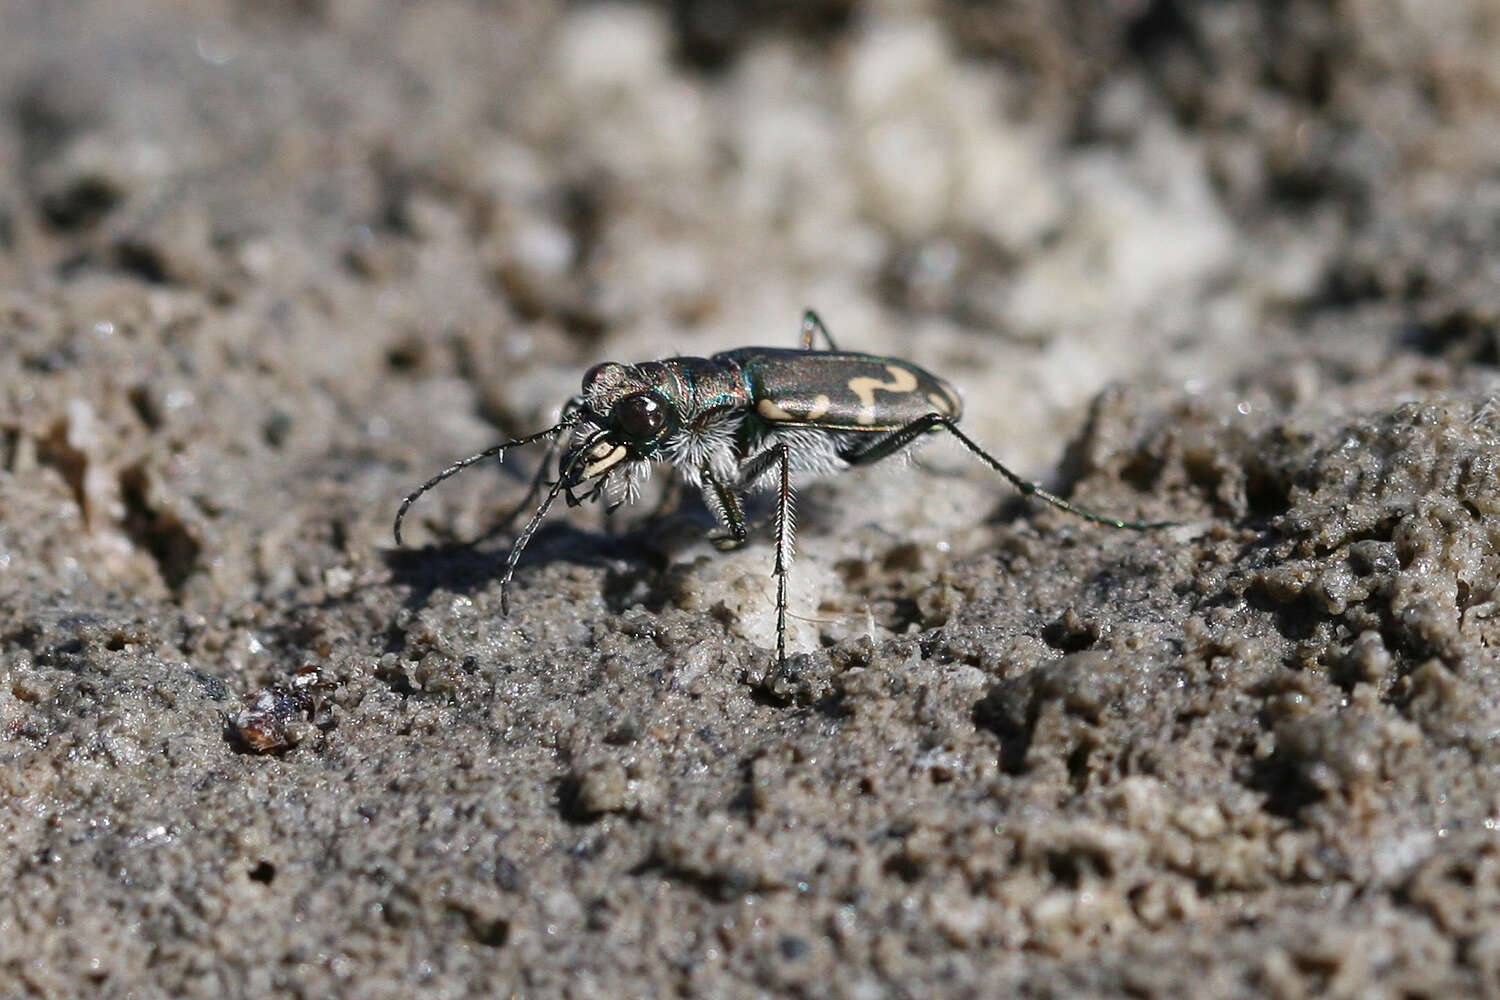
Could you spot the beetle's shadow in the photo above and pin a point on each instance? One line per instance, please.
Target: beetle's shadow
(468, 567)
(465, 567)
(628, 549)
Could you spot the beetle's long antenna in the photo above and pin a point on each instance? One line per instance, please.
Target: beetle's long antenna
(533, 491)
(525, 536)
(457, 467)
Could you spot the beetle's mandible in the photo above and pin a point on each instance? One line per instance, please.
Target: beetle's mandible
(740, 422)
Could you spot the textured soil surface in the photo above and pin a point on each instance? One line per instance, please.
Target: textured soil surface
(265, 266)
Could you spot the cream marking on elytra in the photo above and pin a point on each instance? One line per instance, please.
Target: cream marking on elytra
(774, 412)
(865, 388)
(768, 409)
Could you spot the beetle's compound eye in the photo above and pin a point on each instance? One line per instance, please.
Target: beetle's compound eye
(640, 416)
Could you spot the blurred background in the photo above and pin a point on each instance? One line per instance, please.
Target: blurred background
(247, 246)
(266, 265)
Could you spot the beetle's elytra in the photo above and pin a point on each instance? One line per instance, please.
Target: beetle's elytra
(742, 421)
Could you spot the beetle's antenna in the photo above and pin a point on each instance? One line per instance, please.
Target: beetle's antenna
(538, 479)
(530, 529)
(569, 419)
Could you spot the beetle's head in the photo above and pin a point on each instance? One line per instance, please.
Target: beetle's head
(623, 420)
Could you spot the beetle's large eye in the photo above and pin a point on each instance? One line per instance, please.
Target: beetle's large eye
(640, 416)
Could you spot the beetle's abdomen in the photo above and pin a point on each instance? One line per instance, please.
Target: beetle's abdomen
(840, 390)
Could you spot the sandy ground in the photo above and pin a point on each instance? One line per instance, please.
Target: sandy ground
(266, 266)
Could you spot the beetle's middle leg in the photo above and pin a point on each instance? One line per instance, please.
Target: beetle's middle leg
(777, 456)
(726, 508)
(786, 531)
(889, 444)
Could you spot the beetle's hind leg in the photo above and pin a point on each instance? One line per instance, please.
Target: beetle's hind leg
(896, 440)
(812, 325)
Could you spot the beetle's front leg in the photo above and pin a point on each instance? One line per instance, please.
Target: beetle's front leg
(670, 499)
(726, 509)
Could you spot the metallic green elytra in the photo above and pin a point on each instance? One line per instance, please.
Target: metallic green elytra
(743, 421)
(841, 390)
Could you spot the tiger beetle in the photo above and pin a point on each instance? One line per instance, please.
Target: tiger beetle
(742, 421)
